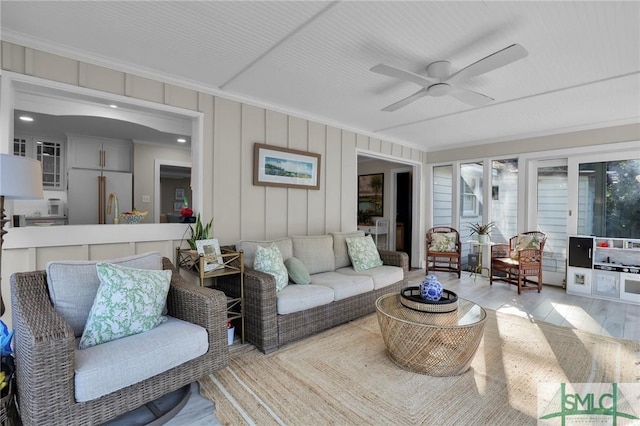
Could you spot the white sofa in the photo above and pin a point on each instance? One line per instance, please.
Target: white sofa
(336, 294)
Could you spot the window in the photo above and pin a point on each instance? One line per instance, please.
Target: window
(471, 190)
(504, 197)
(442, 196)
(608, 199)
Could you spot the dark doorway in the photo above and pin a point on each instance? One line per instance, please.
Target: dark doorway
(404, 207)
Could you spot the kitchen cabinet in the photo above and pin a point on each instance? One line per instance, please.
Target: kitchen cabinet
(99, 153)
(50, 154)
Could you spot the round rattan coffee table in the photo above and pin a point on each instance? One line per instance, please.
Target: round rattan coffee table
(436, 344)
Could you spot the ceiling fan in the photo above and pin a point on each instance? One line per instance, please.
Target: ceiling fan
(440, 82)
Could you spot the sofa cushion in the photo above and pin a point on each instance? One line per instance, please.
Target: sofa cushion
(102, 369)
(363, 253)
(295, 298)
(269, 260)
(129, 301)
(316, 252)
(340, 249)
(382, 276)
(73, 285)
(249, 248)
(343, 285)
(297, 271)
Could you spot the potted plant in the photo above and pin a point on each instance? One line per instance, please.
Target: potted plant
(483, 231)
(199, 231)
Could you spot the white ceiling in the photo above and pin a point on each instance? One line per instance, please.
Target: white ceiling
(312, 59)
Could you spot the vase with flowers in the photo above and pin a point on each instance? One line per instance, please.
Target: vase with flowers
(483, 231)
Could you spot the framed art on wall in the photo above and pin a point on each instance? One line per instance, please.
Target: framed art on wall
(179, 194)
(371, 195)
(288, 168)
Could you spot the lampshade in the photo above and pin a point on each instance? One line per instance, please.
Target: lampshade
(20, 177)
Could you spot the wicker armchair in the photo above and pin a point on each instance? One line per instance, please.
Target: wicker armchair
(444, 251)
(45, 353)
(519, 259)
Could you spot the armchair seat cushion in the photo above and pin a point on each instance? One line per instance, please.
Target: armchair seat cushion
(105, 368)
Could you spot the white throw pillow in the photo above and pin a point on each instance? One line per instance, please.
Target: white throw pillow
(363, 253)
(129, 301)
(269, 260)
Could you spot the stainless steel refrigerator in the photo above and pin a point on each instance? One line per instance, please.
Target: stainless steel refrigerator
(88, 194)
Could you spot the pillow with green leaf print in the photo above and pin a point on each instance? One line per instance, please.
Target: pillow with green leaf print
(129, 301)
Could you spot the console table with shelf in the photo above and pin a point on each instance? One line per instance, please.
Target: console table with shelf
(227, 263)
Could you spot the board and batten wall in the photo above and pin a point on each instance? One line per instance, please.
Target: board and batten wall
(239, 209)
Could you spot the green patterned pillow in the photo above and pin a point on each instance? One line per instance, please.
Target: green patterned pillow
(363, 253)
(525, 241)
(129, 301)
(443, 242)
(269, 260)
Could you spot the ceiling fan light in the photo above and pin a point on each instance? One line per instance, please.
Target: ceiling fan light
(439, 89)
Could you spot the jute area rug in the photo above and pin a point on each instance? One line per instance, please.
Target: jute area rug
(344, 376)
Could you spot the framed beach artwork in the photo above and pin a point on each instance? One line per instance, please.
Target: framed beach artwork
(288, 168)
(210, 249)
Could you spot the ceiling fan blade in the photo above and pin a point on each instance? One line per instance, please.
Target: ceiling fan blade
(398, 73)
(406, 101)
(495, 60)
(470, 97)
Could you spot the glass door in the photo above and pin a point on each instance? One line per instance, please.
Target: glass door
(550, 212)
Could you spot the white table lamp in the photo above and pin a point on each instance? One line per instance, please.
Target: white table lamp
(20, 179)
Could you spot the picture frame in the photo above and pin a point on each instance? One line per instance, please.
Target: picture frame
(210, 249)
(371, 195)
(179, 194)
(177, 206)
(284, 167)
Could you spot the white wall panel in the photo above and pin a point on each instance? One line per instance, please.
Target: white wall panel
(227, 173)
(206, 105)
(317, 199)
(333, 182)
(276, 219)
(252, 198)
(298, 208)
(51, 67)
(349, 183)
(100, 78)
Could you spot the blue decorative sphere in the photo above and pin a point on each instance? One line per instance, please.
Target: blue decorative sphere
(431, 289)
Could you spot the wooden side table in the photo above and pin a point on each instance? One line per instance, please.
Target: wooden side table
(228, 263)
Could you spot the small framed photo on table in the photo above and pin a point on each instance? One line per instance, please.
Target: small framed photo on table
(210, 249)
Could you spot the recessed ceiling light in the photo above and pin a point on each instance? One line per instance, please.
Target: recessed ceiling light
(26, 118)
(182, 140)
(113, 106)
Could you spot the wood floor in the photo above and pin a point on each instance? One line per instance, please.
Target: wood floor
(552, 304)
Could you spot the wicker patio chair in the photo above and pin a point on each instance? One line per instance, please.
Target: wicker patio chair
(519, 259)
(45, 353)
(443, 250)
